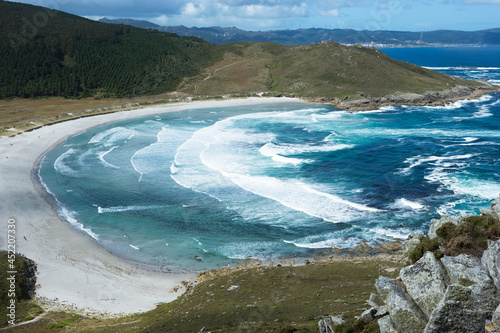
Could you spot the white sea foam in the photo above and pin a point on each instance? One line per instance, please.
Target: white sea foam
(112, 135)
(301, 197)
(461, 68)
(70, 217)
(405, 203)
(288, 160)
(333, 242)
(135, 167)
(119, 209)
(327, 116)
(271, 149)
(62, 167)
(103, 154)
(476, 187)
(461, 103)
(418, 160)
(484, 112)
(392, 233)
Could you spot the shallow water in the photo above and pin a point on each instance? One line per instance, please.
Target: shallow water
(198, 189)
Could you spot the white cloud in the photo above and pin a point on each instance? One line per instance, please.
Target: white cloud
(489, 2)
(331, 12)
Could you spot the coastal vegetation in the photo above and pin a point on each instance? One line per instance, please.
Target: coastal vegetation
(51, 53)
(282, 298)
(274, 298)
(469, 235)
(17, 287)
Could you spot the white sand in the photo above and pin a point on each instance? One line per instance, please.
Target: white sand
(72, 268)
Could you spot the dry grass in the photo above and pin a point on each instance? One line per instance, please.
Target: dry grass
(19, 115)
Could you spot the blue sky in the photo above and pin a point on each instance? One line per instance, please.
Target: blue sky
(404, 15)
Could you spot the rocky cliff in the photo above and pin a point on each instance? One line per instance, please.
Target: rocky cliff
(440, 293)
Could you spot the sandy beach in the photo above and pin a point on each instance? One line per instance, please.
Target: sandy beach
(73, 269)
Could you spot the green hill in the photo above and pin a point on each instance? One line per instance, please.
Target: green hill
(50, 53)
(326, 71)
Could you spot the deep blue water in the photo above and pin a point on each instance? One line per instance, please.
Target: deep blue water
(201, 188)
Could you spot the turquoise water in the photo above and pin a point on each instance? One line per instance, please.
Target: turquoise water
(203, 188)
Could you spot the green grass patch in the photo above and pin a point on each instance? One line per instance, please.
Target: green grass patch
(426, 244)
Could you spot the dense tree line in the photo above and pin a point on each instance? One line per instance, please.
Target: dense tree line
(50, 53)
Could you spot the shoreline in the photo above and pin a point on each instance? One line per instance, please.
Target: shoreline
(75, 271)
(349, 103)
(431, 98)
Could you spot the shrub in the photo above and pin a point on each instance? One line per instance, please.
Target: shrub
(54, 325)
(470, 236)
(426, 244)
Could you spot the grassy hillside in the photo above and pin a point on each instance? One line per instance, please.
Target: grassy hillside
(50, 53)
(17, 284)
(261, 299)
(326, 70)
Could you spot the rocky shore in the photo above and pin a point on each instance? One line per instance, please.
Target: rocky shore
(431, 98)
(450, 294)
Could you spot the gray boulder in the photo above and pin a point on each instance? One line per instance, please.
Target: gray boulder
(465, 270)
(386, 325)
(493, 325)
(327, 324)
(404, 313)
(496, 315)
(425, 282)
(495, 207)
(454, 314)
(491, 261)
(468, 271)
(438, 223)
(470, 299)
(410, 244)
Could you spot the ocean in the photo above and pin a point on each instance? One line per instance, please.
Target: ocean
(200, 189)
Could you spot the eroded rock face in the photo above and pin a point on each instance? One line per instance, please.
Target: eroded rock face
(425, 282)
(438, 223)
(404, 313)
(454, 294)
(491, 261)
(495, 207)
(410, 244)
(454, 313)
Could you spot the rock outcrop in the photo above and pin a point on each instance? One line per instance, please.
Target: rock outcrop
(451, 294)
(454, 294)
